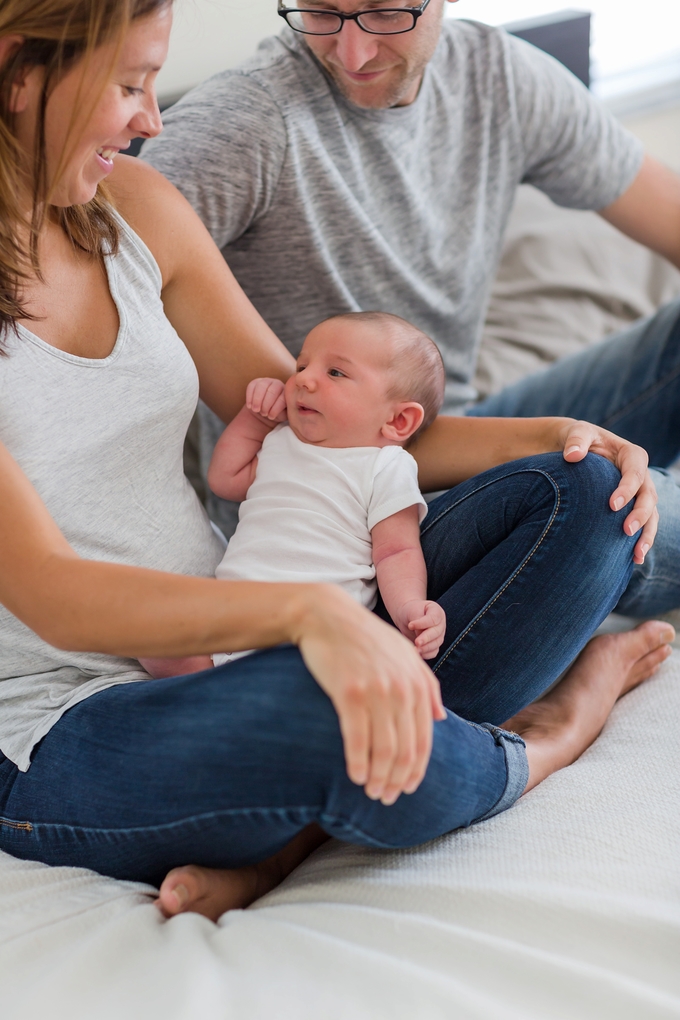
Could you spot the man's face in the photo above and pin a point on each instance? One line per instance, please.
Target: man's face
(375, 71)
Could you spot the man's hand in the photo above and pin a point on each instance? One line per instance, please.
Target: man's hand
(266, 399)
(579, 438)
(425, 623)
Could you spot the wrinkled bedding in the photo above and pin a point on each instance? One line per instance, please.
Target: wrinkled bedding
(565, 907)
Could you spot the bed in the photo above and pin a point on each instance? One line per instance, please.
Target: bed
(565, 907)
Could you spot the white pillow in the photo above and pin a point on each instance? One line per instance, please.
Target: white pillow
(566, 279)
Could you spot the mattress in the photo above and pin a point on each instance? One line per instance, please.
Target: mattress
(567, 906)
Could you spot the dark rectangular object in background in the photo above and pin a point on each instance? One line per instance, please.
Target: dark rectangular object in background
(565, 35)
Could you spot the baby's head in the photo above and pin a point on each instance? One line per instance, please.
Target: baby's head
(365, 379)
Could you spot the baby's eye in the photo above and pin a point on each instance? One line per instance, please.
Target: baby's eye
(300, 368)
(336, 373)
(132, 90)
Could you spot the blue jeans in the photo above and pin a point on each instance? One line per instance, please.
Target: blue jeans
(629, 384)
(224, 767)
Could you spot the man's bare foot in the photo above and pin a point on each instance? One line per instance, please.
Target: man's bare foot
(558, 728)
(213, 891)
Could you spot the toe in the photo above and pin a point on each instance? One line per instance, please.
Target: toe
(178, 891)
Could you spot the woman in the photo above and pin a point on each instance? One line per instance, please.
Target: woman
(107, 555)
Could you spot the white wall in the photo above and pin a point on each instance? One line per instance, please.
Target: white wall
(209, 35)
(635, 45)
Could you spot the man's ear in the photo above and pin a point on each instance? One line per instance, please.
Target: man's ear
(8, 46)
(407, 419)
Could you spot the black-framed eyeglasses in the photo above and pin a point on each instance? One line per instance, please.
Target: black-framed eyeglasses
(378, 21)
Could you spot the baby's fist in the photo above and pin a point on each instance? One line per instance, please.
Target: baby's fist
(428, 625)
(266, 399)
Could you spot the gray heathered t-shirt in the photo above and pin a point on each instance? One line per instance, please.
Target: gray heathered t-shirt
(321, 207)
(101, 440)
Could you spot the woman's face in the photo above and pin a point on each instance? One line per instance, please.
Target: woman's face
(126, 108)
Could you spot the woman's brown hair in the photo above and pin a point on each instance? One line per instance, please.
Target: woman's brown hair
(55, 34)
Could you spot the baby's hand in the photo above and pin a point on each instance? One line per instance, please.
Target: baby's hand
(427, 623)
(266, 399)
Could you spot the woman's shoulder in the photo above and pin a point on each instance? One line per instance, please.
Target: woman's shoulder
(154, 209)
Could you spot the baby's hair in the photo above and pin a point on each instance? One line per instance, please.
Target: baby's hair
(418, 367)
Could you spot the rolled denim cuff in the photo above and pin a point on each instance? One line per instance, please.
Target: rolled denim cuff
(516, 764)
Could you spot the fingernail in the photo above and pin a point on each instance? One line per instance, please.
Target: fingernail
(633, 527)
(618, 502)
(181, 894)
(572, 449)
(373, 794)
(645, 549)
(389, 801)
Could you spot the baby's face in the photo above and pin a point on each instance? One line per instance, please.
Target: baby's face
(338, 396)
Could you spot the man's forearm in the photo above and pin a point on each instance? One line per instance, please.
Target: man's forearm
(456, 448)
(649, 211)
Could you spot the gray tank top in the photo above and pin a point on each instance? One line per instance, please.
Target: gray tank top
(101, 440)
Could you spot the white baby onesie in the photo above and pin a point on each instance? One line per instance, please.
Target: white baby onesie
(309, 513)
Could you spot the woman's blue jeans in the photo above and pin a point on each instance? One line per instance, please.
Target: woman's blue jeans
(224, 767)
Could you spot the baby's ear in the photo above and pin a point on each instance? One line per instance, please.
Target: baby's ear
(406, 419)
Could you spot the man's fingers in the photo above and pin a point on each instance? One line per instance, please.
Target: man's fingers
(579, 439)
(646, 539)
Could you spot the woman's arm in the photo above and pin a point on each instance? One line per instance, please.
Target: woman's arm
(454, 449)
(228, 339)
(385, 696)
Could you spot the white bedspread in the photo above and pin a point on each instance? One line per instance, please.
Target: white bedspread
(567, 906)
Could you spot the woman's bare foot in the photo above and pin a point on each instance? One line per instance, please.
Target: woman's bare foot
(558, 728)
(213, 891)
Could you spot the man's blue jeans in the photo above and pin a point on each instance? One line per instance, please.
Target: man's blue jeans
(629, 384)
(222, 768)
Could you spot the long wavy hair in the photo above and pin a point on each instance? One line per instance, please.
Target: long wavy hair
(56, 35)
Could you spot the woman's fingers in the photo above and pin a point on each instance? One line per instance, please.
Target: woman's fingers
(405, 717)
(385, 733)
(423, 747)
(384, 694)
(356, 737)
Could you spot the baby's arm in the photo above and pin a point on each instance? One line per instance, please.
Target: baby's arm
(234, 460)
(402, 579)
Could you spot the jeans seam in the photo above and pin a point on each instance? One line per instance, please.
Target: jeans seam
(208, 816)
(24, 826)
(651, 390)
(513, 576)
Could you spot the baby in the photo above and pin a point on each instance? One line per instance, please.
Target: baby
(329, 492)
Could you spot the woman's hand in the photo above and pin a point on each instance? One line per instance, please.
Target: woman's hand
(385, 696)
(579, 438)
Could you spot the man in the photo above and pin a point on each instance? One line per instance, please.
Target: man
(367, 158)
